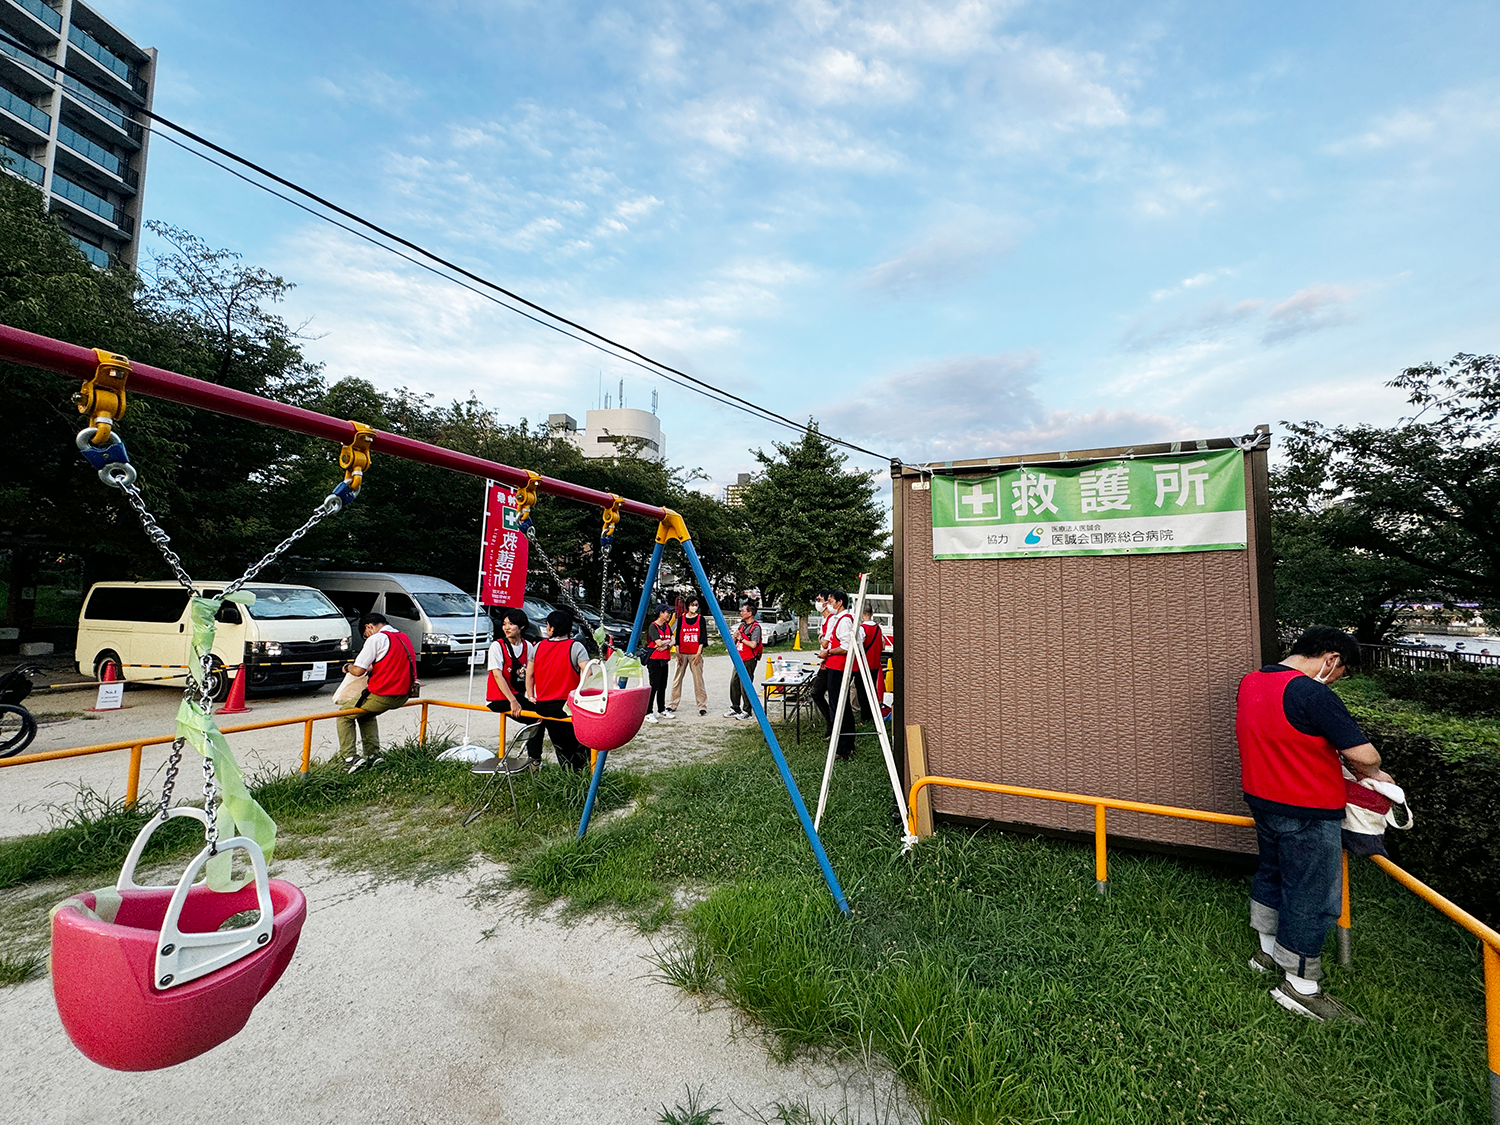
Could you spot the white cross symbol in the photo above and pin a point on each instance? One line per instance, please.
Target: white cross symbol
(977, 499)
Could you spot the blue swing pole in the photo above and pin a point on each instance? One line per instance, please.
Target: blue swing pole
(748, 684)
(635, 638)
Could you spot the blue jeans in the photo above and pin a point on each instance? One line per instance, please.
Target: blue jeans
(1297, 894)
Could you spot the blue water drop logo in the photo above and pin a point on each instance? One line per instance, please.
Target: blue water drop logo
(1034, 536)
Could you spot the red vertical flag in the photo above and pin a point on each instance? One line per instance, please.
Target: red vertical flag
(504, 573)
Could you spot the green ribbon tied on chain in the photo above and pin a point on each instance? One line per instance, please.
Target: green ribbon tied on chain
(239, 814)
(620, 666)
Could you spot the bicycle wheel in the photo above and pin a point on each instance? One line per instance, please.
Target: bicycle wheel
(17, 729)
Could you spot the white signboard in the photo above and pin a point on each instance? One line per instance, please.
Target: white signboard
(111, 696)
(316, 674)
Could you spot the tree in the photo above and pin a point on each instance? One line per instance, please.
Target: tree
(1421, 497)
(808, 522)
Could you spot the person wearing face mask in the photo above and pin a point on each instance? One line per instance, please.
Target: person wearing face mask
(1293, 733)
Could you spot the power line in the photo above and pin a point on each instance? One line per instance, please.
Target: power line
(632, 356)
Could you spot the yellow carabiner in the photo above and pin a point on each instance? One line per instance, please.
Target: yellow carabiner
(611, 517)
(355, 457)
(526, 495)
(102, 398)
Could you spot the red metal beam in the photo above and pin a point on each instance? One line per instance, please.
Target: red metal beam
(78, 363)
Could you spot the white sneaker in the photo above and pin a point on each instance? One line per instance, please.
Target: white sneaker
(744, 715)
(731, 714)
(650, 718)
(668, 715)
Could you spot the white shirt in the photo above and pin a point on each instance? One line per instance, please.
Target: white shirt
(497, 657)
(843, 632)
(375, 649)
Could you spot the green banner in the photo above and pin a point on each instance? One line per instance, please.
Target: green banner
(1193, 501)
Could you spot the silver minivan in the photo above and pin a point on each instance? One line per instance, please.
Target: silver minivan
(436, 615)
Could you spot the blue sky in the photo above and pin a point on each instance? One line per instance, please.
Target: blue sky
(945, 230)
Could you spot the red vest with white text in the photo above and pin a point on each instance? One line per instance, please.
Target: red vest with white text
(835, 662)
(690, 635)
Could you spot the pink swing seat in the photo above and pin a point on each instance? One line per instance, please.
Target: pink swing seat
(604, 719)
(109, 947)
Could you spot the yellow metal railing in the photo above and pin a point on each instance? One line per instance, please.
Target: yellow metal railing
(1489, 938)
(137, 745)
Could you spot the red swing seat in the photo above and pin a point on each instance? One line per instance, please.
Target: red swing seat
(116, 1004)
(604, 719)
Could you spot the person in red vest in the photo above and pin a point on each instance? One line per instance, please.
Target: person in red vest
(838, 642)
(556, 661)
(391, 663)
(505, 686)
(749, 640)
(658, 646)
(872, 642)
(692, 635)
(1294, 733)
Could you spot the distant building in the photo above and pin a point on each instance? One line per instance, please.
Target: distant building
(734, 494)
(81, 147)
(609, 433)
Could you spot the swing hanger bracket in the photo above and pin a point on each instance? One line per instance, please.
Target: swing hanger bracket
(611, 522)
(526, 495)
(354, 459)
(102, 398)
(671, 527)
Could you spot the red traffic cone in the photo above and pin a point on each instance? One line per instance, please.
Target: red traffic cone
(108, 675)
(235, 705)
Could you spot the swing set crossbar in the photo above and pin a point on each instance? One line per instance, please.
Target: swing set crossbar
(33, 350)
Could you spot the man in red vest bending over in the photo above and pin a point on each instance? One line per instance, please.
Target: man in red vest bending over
(391, 662)
(1293, 732)
(556, 661)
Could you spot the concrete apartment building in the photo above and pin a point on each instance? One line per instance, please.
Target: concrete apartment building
(606, 431)
(82, 148)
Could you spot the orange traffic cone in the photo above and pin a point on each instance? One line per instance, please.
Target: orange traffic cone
(108, 675)
(235, 705)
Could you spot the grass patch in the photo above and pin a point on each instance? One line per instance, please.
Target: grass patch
(1459, 736)
(1001, 987)
(18, 968)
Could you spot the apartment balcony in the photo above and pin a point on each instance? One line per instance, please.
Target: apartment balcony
(99, 113)
(90, 157)
(20, 71)
(95, 254)
(91, 208)
(17, 111)
(21, 165)
(83, 45)
(31, 20)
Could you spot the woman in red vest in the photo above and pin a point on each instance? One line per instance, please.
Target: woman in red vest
(658, 660)
(391, 663)
(505, 686)
(553, 672)
(692, 636)
(838, 642)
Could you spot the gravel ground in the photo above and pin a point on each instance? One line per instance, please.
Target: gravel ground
(445, 1001)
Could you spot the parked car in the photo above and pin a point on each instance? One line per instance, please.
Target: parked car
(291, 637)
(775, 626)
(437, 616)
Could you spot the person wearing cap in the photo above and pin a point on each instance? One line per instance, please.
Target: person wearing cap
(1295, 738)
(391, 663)
(659, 637)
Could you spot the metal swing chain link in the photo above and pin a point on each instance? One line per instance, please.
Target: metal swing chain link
(590, 645)
(126, 483)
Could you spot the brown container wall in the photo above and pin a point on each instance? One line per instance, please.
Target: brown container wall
(1108, 675)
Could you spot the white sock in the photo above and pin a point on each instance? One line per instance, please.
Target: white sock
(1303, 986)
(1267, 943)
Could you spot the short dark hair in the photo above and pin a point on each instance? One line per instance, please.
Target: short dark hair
(516, 617)
(839, 596)
(824, 592)
(694, 599)
(561, 621)
(373, 619)
(1321, 639)
(748, 604)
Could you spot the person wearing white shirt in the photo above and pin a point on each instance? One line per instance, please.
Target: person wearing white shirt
(838, 643)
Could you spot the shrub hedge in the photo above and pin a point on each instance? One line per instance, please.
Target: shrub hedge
(1460, 692)
(1455, 844)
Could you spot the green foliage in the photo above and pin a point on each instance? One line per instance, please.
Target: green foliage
(693, 1113)
(1423, 494)
(1456, 693)
(808, 521)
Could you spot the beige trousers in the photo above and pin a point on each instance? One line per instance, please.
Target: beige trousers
(695, 662)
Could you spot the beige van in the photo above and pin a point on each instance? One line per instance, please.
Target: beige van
(292, 636)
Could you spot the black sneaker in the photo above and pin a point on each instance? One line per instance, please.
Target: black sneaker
(356, 763)
(1263, 962)
(702, 711)
(1320, 1007)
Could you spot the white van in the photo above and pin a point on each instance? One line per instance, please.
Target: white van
(291, 637)
(436, 615)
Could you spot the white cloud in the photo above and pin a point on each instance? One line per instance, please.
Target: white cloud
(1456, 119)
(1310, 310)
(1197, 281)
(946, 257)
